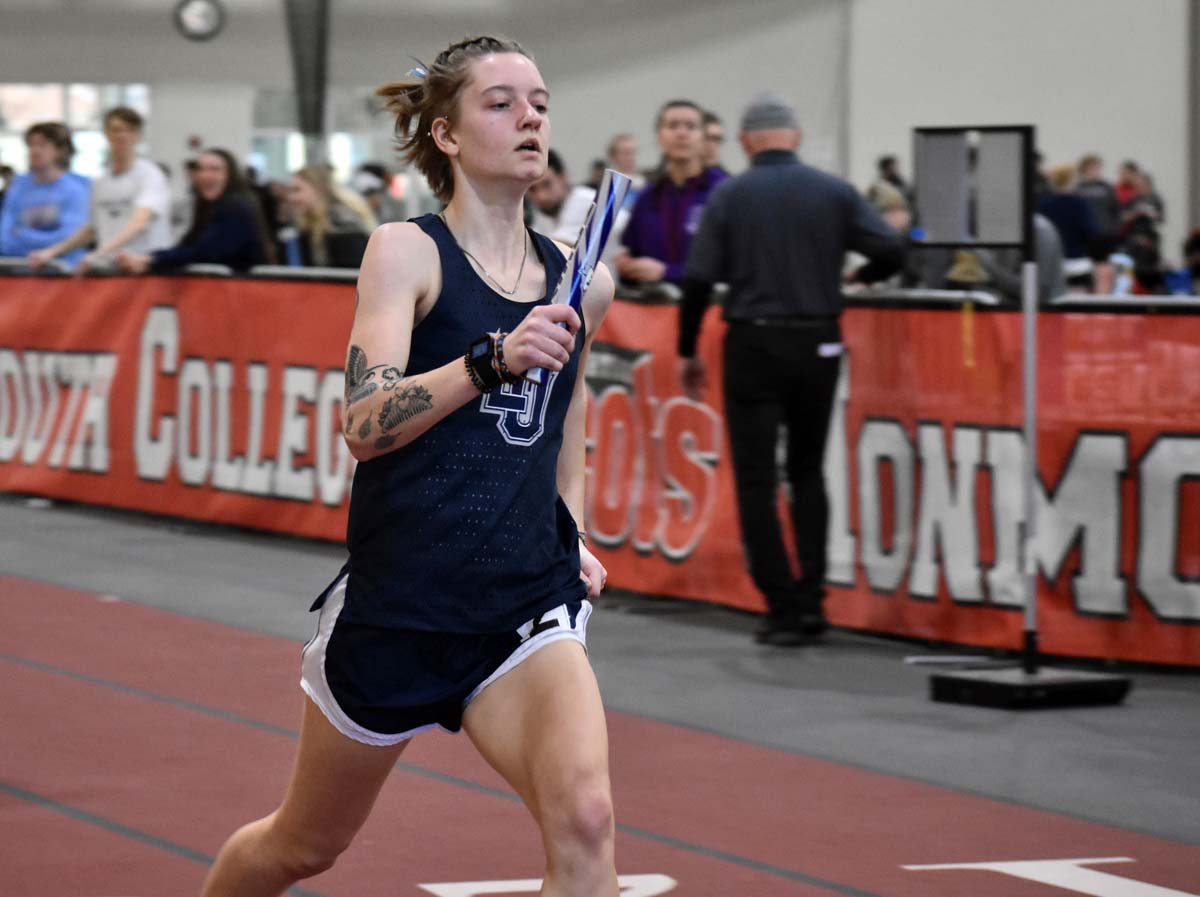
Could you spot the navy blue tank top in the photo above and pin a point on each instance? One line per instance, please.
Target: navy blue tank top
(463, 529)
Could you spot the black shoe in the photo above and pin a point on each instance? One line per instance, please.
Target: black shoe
(779, 635)
(813, 623)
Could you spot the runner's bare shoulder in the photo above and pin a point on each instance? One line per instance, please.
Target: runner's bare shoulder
(401, 264)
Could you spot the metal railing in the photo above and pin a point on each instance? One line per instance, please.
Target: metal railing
(924, 296)
(668, 293)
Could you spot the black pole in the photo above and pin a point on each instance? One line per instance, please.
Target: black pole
(308, 37)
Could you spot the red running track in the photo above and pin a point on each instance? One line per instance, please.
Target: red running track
(134, 740)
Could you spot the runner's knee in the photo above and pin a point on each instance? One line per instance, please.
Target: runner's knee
(583, 818)
(306, 854)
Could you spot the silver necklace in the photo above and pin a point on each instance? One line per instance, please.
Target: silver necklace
(479, 264)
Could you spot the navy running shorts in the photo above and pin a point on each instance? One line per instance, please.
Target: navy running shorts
(382, 686)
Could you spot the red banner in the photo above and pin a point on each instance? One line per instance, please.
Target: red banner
(220, 400)
(211, 399)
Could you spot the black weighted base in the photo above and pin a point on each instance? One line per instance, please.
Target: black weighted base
(1014, 689)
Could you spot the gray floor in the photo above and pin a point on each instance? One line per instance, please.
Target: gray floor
(851, 699)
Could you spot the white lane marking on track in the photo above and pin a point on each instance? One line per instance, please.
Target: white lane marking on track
(1069, 875)
(631, 886)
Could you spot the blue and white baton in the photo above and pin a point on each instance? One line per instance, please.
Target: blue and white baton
(589, 246)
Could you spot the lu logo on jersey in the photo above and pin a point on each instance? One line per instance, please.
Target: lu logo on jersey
(521, 409)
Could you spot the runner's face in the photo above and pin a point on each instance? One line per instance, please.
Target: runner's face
(502, 127)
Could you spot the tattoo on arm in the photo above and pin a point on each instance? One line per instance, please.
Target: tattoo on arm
(362, 380)
(407, 403)
(407, 399)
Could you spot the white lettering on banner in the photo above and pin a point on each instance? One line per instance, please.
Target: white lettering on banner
(33, 417)
(197, 432)
(1070, 875)
(257, 480)
(947, 515)
(194, 380)
(227, 472)
(153, 456)
(631, 886)
(14, 406)
(880, 441)
(651, 473)
(651, 481)
(840, 543)
(299, 385)
(43, 394)
(1085, 507)
(90, 449)
(334, 462)
(1170, 462)
(688, 441)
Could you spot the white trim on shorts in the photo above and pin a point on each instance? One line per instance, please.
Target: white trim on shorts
(316, 685)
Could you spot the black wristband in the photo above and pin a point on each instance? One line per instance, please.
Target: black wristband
(480, 367)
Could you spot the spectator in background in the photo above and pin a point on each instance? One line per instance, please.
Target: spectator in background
(267, 203)
(621, 153)
(373, 182)
(714, 139)
(1041, 184)
(131, 202)
(1072, 217)
(227, 225)
(1101, 197)
(559, 208)
(1003, 266)
(667, 212)
(1191, 258)
(622, 156)
(183, 203)
(887, 174)
(48, 204)
(1141, 242)
(332, 224)
(6, 177)
(778, 235)
(597, 175)
(1143, 201)
(1126, 186)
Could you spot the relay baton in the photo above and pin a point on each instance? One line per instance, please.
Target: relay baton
(589, 246)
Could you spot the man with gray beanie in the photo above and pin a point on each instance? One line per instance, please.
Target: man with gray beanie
(778, 234)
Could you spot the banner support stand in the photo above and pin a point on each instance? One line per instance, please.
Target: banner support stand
(1028, 685)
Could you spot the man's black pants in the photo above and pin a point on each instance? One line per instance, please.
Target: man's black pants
(782, 372)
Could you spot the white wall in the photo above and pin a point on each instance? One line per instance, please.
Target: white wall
(610, 66)
(218, 116)
(1107, 76)
(1103, 75)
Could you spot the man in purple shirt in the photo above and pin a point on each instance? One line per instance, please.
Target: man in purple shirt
(667, 212)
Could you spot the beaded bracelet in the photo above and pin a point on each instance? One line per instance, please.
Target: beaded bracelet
(505, 373)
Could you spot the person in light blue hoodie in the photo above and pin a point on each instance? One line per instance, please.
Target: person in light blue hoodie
(48, 203)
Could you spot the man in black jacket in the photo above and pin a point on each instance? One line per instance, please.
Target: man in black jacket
(778, 235)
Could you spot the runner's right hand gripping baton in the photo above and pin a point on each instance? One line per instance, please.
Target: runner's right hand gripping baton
(589, 246)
